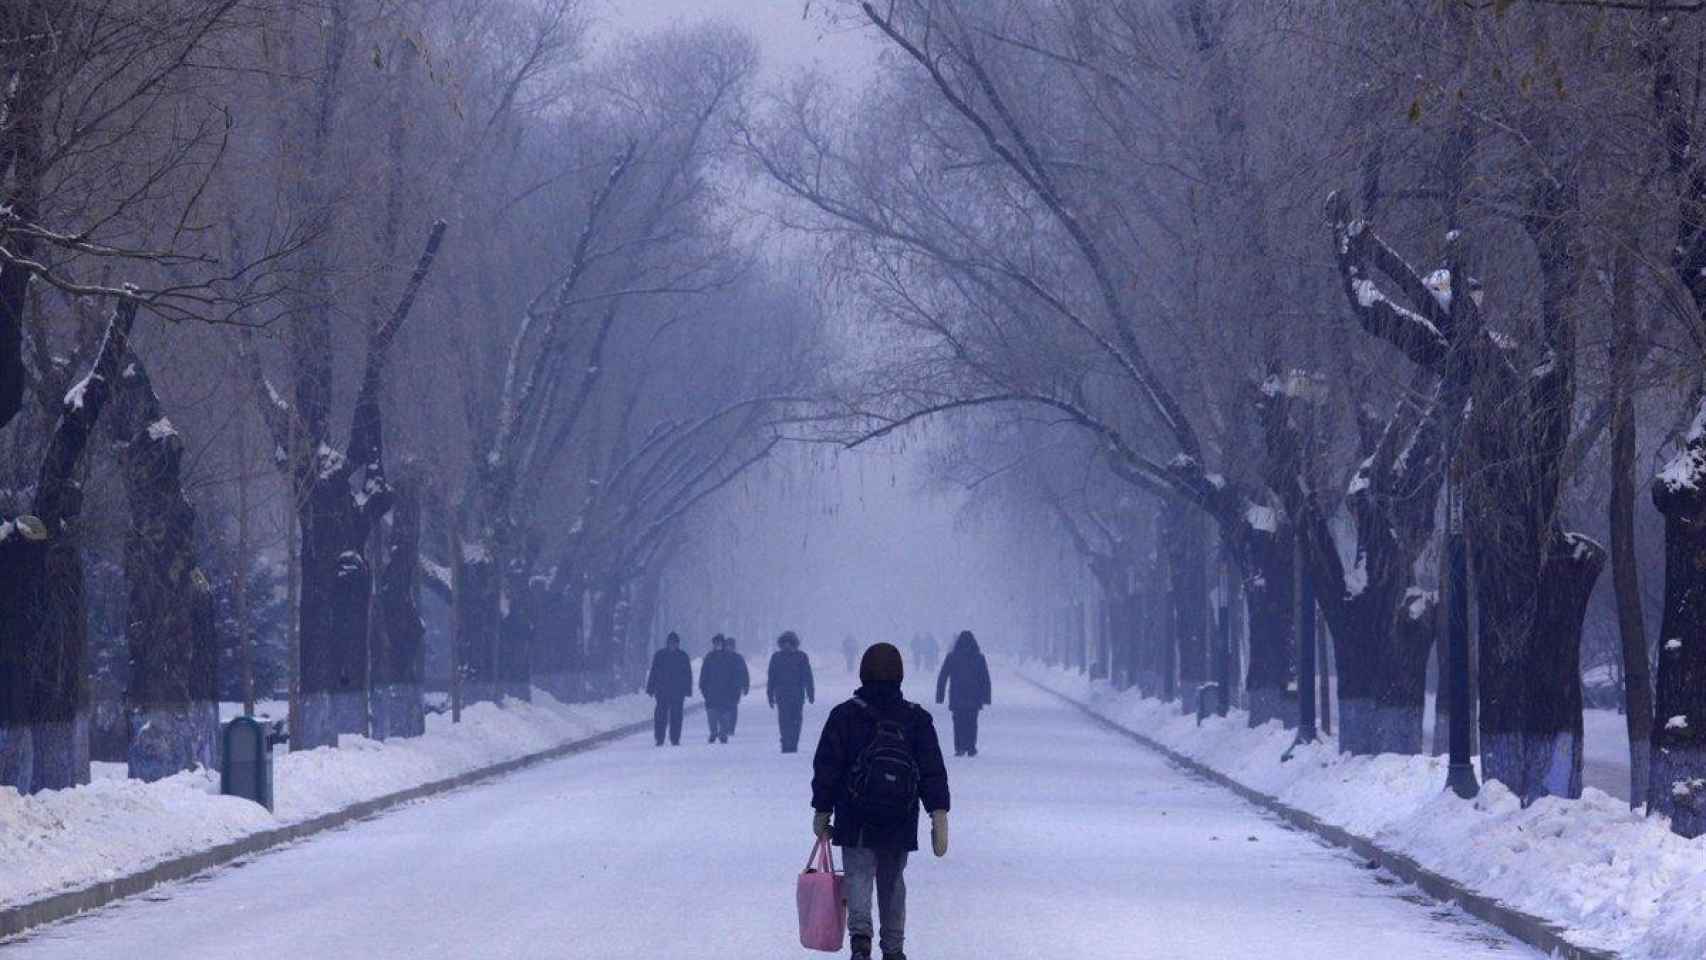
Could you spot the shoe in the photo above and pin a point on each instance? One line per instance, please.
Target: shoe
(972, 752)
(713, 739)
(861, 948)
(660, 743)
(894, 956)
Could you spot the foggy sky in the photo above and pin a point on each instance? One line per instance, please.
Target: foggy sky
(854, 547)
(790, 36)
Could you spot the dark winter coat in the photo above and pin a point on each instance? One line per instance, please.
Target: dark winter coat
(672, 675)
(741, 671)
(964, 678)
(722, 678)
(791, 677)
(850, 728)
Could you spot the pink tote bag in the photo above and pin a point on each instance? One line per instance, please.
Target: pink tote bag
(823, 910)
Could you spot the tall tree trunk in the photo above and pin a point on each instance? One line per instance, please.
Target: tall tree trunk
(479, 622)
(399, 659)
(336, 582)
(1676, 785)
(42, 616)
(520, 623)
(602, 652)
(1188, 568)
(174, 700)
(1625, 569)
(556, 657)
(336, 519)
(1264, 557)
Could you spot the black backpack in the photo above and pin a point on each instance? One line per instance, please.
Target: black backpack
(883, 786)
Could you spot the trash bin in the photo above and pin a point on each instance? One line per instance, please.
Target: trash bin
(1208, 701)
(247, 771)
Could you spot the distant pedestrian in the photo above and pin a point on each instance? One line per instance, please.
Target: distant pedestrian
(790, 688)
(850, 650)
(965, 681)
(916, 646)
(932, 652)
(671, 682)
(730, 644)
(720, 685)
(878, 760)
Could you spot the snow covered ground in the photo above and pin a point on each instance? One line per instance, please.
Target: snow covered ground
(63, 839)
(1614, 880)
(1068, 842)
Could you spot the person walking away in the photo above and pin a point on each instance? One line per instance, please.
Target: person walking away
(744, 686)
(850, 650)
(790, 688)
(877, 762)
(671, 682)
(719, 684)
(932, 651)
(965, 682)
(917, 648)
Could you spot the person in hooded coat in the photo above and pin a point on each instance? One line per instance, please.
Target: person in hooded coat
(790, 688)
(671, 682)
(964, 682)
(720, 685)
(875, 850)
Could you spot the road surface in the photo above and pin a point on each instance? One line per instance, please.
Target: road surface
(1068, 843)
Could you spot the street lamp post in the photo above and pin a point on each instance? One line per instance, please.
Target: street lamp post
(1305, 657)
(1311, 388)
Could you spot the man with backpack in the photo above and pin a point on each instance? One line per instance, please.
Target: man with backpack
(790, 688)
(671, 682)
(877, 762)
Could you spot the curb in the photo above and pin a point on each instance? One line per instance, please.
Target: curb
(1541, 934)
(24, 916)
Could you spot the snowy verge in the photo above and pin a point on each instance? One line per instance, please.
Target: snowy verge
(1607, 879)
(65, 840)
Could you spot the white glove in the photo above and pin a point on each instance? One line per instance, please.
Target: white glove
(939, 832)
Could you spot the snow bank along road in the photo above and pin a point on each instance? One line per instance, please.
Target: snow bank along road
(1068, 842)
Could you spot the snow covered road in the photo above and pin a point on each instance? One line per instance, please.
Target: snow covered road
(1068, 843)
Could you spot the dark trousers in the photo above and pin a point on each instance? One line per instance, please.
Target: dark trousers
(722, 720)
(790, 714)
(667, 715)
(965, 731)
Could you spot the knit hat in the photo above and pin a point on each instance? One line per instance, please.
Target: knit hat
(881, 664)
(788, 639)
(673, 640)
